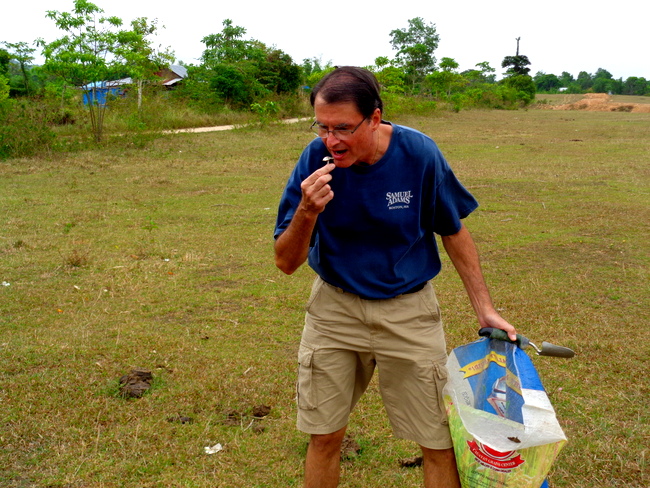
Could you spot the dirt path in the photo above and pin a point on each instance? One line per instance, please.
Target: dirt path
(225, 127)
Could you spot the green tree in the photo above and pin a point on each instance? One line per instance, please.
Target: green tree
(523, 86)
(90, 52)
(566, 79)
(23, 54)
(5, 59)
(278, 73)
(584, 81)
(547, 83)
(636, 86)
(4, 91)
(485, 74)
(142, 60)
(447, 80)
(517, 65)
(228, 46)
(310, 66)
(390, 78)
(517, 78)
(488, 73)
(603, 73)
(604, 82)
(240, 71)
(415, 46)
(96, 49)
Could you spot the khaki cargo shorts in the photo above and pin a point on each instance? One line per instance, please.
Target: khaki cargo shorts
(345, 337)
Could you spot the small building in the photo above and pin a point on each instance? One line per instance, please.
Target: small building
(98, 92)
(172, 75)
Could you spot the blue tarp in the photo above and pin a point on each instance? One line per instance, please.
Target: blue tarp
(97, 92)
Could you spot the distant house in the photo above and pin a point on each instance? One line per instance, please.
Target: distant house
(173, 75)
(98, 92)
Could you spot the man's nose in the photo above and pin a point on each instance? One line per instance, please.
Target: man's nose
(331, 139)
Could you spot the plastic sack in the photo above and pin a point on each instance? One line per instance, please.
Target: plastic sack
(503, 426)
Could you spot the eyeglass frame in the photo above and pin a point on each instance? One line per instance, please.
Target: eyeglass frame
(316, 128)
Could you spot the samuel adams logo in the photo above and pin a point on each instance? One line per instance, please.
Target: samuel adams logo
(398, 199)
(496, 460)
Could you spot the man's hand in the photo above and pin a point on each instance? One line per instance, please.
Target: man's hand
(316, 191)
(495, 321)
(292, 246)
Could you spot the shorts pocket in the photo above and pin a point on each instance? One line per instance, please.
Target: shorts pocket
(430, 300)
(440, 371)
(305, 393)
(315, 290)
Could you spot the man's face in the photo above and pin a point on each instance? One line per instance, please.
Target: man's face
(361, 146)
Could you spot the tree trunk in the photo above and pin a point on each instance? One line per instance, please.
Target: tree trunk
(139, 95)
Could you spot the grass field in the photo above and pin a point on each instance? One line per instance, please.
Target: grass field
(161, 258)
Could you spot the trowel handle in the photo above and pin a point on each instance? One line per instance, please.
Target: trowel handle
(501, 335)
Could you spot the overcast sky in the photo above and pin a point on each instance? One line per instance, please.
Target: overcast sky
(557, 36)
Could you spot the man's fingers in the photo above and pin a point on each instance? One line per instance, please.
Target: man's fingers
(316, 190)
(329, 166)
(319, 178)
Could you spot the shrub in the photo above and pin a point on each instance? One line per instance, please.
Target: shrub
(24, 128)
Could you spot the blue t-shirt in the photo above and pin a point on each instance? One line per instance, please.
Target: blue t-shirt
(375, 238)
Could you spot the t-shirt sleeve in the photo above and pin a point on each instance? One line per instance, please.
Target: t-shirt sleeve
(453, 203)
(292, 192)
(288, 204)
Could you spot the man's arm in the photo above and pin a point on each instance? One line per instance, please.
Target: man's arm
(292, 246)
(463, 254)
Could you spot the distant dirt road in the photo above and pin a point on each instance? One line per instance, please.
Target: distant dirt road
(225, 127)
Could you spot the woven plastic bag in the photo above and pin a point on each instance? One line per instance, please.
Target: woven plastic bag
(504, 428)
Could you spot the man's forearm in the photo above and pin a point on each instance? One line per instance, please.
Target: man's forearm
(463, 254)
(292, 246)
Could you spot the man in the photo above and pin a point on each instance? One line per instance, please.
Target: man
(363, 205)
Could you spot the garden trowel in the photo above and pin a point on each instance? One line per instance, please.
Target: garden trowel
(522, 342)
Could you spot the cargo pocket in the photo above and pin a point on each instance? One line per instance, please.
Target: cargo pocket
(305, 393)
(440, 370)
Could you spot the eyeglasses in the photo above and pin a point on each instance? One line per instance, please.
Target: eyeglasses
(340, 134)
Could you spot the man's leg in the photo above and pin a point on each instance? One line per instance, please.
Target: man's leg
(440, 468)
(323, 463)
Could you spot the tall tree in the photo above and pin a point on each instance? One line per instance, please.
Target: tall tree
(517, 64)
(5, 59)
(23, 54)
(94, 49)
(566, 79)
(143, 61)
(228, 46)
(447, 79)
(240, 71)
(546, 83)
(82, 57)
(584, 80)
(415, 46)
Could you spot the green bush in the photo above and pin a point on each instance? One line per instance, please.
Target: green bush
(524, 87)
(24, 128)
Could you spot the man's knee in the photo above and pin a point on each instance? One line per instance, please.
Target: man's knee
(327, 443)
(439, 456)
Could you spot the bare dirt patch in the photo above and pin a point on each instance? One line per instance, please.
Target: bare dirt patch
(601, 102)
